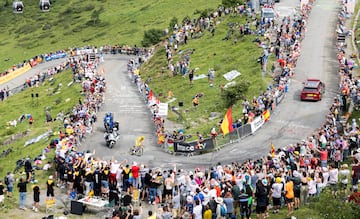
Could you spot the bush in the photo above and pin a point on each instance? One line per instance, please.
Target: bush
(152, 37)
(331, 207)
(204, 13)
(172, 23)
(234, 93)
(232, 3)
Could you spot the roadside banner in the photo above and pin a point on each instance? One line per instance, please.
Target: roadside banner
(55, 56)
(15, 73)
(257, 123)
(193, 146)
(163, 109)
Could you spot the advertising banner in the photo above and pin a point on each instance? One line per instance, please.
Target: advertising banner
(14, 74)
(257, 123)
(55, 56)
(190, 147)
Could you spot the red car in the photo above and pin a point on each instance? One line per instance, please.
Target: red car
(313, 90)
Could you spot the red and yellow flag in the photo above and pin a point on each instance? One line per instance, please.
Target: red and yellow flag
(272, 150)
(226, 125)
(266, 115)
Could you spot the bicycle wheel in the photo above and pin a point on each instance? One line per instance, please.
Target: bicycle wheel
(141, 151)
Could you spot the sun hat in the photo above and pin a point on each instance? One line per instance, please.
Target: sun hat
(219, 200)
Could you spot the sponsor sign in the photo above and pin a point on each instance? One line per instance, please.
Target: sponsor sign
(163, 109)
(257, 123)
(190, 147)
(86, 51)
(14, 74)
(55, 56)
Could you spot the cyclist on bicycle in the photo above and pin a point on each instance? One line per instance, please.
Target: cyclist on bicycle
(139, 144)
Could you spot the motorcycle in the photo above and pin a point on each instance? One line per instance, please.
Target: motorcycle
(111, 138)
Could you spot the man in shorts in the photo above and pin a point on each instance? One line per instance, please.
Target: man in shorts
(289, 195)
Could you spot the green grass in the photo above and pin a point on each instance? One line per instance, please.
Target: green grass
(209, 52)
(67, 24)
(22, 103)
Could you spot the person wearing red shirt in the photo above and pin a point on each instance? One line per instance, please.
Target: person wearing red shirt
(323, 153)
(135, 174)
(355, 175)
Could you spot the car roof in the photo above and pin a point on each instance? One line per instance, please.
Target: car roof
(312, 82)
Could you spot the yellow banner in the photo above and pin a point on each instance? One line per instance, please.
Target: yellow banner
(15, 74)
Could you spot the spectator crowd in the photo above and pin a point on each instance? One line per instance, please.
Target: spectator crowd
(289, 176)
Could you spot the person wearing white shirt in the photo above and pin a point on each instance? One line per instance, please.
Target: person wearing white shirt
(197, 210)
(333, 178)
(312, 185)
(344, 175)
(276, 190)
(212, 192)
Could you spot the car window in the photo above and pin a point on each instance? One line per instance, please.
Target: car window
(310, 90)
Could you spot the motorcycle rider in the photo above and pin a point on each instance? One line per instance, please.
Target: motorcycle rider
(109, 121)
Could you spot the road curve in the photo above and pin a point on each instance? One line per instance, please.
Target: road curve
(292, 120)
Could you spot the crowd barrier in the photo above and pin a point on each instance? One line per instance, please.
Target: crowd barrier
(235, 136)
(15, 73)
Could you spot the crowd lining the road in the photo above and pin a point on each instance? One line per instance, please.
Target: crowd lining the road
(287, 176)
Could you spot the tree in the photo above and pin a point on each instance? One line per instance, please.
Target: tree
(232, 3)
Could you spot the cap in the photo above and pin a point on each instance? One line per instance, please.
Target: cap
(264, 182)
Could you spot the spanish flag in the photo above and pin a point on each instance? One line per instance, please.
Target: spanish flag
(226, 125)
(272, 150)
(266, 115)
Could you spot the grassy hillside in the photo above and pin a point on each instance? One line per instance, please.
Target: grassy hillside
(70, 23)
(209, 52)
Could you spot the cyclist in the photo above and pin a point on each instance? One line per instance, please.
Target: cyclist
(139, 144)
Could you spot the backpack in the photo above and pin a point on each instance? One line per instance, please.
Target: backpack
(222, 211)
(6, 180)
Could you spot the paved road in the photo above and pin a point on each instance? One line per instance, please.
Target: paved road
(43, 67)
(292, 121)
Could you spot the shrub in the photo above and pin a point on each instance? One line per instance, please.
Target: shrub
(331, 207)
(172, 23)
(152, 37)
(232, 3)
(234, 93)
